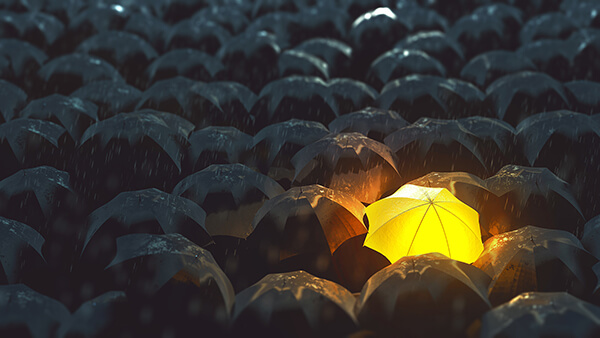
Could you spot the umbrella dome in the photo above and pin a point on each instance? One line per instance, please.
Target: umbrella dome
(418, 220)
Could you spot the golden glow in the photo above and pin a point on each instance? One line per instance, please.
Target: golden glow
(418, 220)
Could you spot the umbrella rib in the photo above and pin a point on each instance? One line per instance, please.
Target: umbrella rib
(463, 222)
(400, 214)
(417, 231)
(444, 230)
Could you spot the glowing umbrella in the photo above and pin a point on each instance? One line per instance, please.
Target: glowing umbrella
(418, 220)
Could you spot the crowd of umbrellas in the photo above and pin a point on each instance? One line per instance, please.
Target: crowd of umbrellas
(175, 168)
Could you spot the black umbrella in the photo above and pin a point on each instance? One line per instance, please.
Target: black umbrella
(173, 11)
(292, 62)
(205, 36)
(585, 13)
(415, 96)
(149, 28)
(12, 99)
(348, 162)
(274, 23)
(553, 57)
(514, 97)
(230, 17)
(488, 67)
(95, 19)
(110, 97)
(15, 241)
(23, 61)
(511, 17)
(335, 53)
(67, 73)
(436, 145)
(327, 21)
(357, 7)
(251, 58)
(177, 280)
(438, 45)
(351, 95)
(536, 259)
(109, 314)
(303, 228)
(73, 113)
(398, 63)
(130, 151)
(373, 33)
(294, 304)
(417, 295)
(221, 103)
(274, 146)
(127, 52)
(547, 26)
(586, 61)
(479, 33)
(25, 312)
(217, 145)
(583, 96)
(230, 194)
(37, 28)
(532, 196)
(29, 143)
(303, 97)
(591, 232)
(566, 143)
(190, 63)
(420, 19)
(371, 122)
(542, 314)
(170, 95)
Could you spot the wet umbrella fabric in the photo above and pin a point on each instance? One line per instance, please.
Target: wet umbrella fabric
(348, 162)
(371, 122)
(12, 99)
(416, 294)
(110, 97)
(186, 62)
(399, 63)
(22, 306)
(485, 68)
(294, 304)
(208, 145)
(542, 314)
(15, 238)
(18, 132)
(536, 259)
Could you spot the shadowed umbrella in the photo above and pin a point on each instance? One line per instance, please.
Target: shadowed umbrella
(417, 295)
(187, 62)
(531, 196)
(512, 19)
(416, 95)
(542, 314)
(24, 60)
(479, 33)
(177, 280)
(591, 233)
(438, 45)
(292, 62)
(294, 304)
(170, 95)
(420, 19)
(536, 259)
(436, 145)
(348, 162)
(110, 97)
(73, 113)
(547, 26)
(149, 28)
(67, 73)
(514, 97)
(586, 65)
(398, 63)
(371, 122)
(15, 240)
(229, 17)
(303, 227)
(275, 24)
(583, 96)
(335, 53)
(216, 145)
(37, 28)
(351, 95)
(553, 57)
(221, 103)
(325, 21)
(27, 313)
(12, 99)
(488, 67)
(203, 35)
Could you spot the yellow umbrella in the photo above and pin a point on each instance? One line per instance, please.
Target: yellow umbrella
(418, 220)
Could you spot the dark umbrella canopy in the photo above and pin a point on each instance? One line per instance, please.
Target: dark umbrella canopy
(438, 45)
(348, 162)
(536, 259)
(547, 26)
(231, 17)
(591, 232)
(371, 122)
(417, 295)
(488, 67)
(532, 196)
(38, 28)
(294, 304)
(24, 311)
(203, 35)
(551, 56)
(230, 194)
(217, 145)
(187, 62)
(292, 62)
(398, 63)
(350, 95)
(24, 60)
(170, 95)
(542, 314)
(479, 33)
(110, 97)
(325, 21)
(15, 239)
(149, 28)
(335, 53)
(12, 99)
(583, 96)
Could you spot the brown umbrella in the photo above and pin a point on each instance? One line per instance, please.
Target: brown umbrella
(536, 259)
(294, 304)
(348, 162)
(429, 295)
(304, 226)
